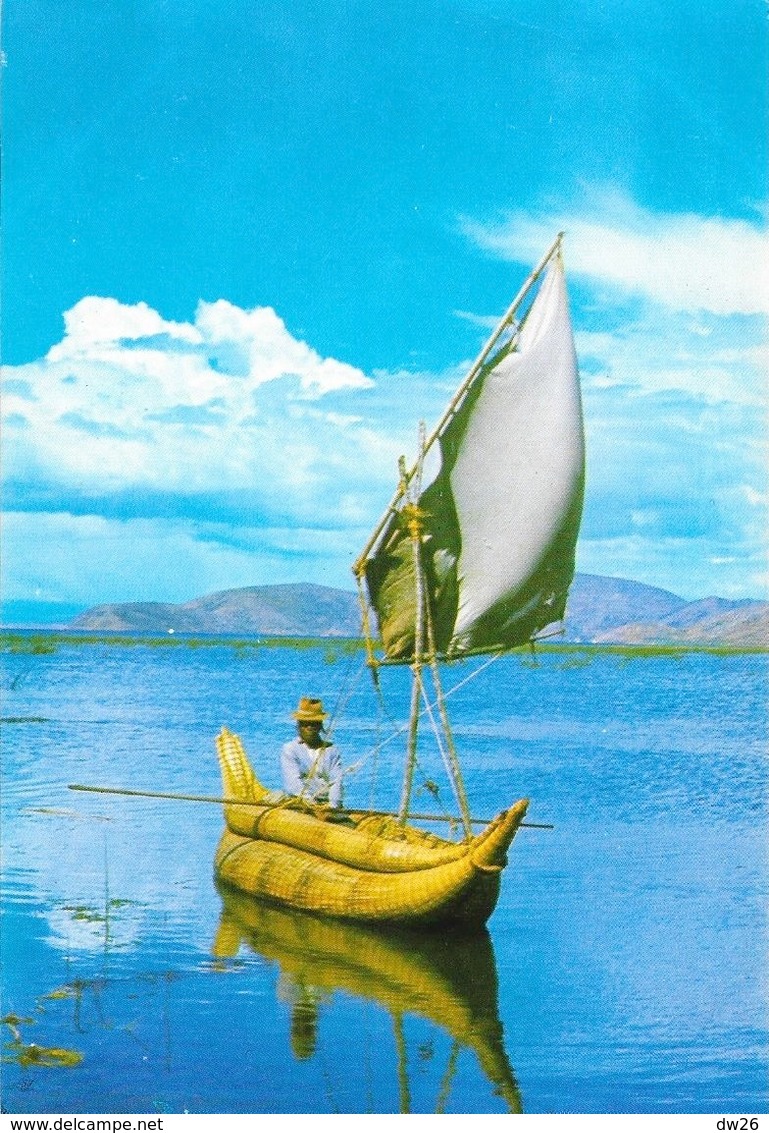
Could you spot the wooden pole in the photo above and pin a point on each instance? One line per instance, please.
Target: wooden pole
(414, 519)
(246, 802)
(454, 769)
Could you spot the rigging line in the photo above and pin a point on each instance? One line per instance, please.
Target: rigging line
(417, 766)
(375, 751)
(345, 696)
(411, 747)
(444, 756)
(449, 755)
(451, 758)
(471, 676)
(455, 688)
(372, 785)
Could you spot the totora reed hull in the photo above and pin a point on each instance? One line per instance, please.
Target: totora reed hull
(369, 872)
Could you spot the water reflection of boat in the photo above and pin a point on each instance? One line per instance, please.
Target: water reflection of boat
(451, 981)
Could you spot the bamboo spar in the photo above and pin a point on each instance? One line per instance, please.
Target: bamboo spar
(267, 806)
(360, 563)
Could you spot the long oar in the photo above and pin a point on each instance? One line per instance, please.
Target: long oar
(245, 802)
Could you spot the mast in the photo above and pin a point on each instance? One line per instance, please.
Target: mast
(414, 517)
(425, 651)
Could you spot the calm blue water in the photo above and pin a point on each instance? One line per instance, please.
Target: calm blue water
(624, 969)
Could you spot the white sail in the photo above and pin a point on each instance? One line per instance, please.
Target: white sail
(502, 515)
(520, 463)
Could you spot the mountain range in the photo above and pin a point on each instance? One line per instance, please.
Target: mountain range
(600, 610)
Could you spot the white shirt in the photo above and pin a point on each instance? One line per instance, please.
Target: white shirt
(313, 773)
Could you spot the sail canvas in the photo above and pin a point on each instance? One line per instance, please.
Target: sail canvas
(502, 515)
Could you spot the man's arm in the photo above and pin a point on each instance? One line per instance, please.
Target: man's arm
(289, 768)
(335, 773)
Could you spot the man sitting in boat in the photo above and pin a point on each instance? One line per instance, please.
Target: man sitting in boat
(310, 764)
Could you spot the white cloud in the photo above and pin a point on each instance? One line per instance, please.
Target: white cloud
(260, 339)
(153, 459)
(681, 261)
(187, 361)
(156, 460)
(756, 499)
(486, 322)
(94, 321)
(130, 400)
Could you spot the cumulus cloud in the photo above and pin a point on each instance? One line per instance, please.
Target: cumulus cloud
(258, 344)
(681, 261)
(152, 459)
(130, 406)
(97, 322)
(146, 458)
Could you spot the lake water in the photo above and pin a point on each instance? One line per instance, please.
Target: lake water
(624, 967)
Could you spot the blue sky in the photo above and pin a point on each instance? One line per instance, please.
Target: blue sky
(247, 247)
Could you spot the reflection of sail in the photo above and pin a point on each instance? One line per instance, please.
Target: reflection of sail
(449, 980)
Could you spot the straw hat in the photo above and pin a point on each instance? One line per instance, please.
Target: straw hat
(310, 710)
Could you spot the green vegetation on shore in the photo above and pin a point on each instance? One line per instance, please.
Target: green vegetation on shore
(40, 643)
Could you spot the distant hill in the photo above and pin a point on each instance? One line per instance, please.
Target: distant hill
(598, 606)
(288, 610)
(600, 609)
(618, 611)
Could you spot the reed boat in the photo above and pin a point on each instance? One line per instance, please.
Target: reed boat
(474, 556)
(373, 870)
